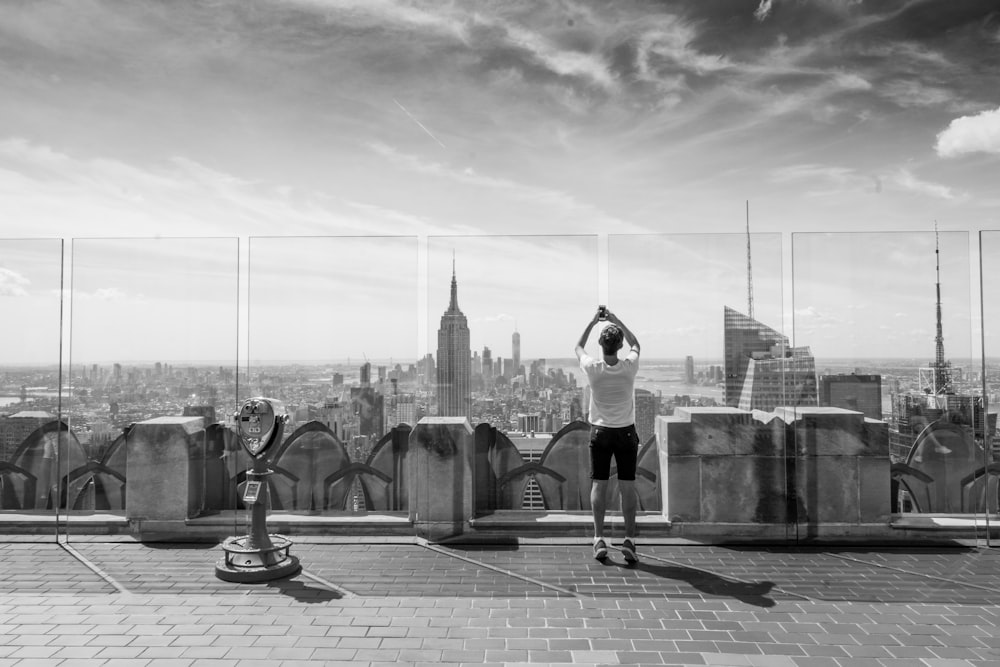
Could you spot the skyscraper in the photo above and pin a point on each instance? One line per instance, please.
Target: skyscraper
(782, 377)
(762, 370)
(647, 406)
(742, 337)
(515, 348)
(454, 360)
(487, 368)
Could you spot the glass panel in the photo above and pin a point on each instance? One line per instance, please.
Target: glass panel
(711, 338)
(30, 388)
(504, 314)
(989, 248)
(893, 339)
(152, 371)
(333, 336)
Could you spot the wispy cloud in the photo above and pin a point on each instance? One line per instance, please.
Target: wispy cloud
(970, 134)
(499, 317)
(845, 179)
(12, 283)
(104, 294)
(42, 186)
(906, 180)
(561, 204)
(828, 179)
(763, 10)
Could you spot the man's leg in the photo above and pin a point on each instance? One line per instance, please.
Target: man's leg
(598, 504)
(626, 488)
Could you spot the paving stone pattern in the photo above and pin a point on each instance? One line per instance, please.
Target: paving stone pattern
(410, 603)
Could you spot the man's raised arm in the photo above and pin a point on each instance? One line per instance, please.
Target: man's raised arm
(586, 335)
(629, 336)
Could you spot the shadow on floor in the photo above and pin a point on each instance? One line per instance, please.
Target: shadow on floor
(751, 593)
(302, 592)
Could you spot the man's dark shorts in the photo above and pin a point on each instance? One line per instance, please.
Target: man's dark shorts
(621, 443)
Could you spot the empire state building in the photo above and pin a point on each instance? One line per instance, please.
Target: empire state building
(454, 365)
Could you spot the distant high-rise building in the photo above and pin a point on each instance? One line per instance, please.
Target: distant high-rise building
(744, 336)
(454, 354)
(689, 370)
(647, 406)
(862, 393)
(762, 371)
(487, 367)
(515, 351)
(427, 370)
(785, 377)
(15, 429)
(368, 406)
(406, 409)
(366, 375)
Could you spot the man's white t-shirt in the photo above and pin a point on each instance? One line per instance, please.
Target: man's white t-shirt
(612, 390)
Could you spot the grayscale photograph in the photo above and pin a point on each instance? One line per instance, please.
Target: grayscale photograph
(409, 332)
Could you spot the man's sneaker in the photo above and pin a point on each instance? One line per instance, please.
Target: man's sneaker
(628, 550)
(600, 550)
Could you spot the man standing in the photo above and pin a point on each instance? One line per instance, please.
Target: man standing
(612, 430)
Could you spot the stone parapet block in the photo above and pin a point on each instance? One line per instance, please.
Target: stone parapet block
(827, 431)
(165, 467)
(441, 482)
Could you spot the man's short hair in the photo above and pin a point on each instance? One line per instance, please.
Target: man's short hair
(610, 339)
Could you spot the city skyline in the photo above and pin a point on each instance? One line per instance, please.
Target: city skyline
(570, 154)
(306, 306)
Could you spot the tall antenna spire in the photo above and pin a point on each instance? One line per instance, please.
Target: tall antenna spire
(749, 268)
(453, 306)
(942, 374)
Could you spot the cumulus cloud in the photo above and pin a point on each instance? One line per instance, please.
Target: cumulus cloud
(12, 283)
(970, 134)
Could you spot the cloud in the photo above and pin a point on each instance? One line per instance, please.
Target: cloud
(970, 134)
(561, 203)
(500, 317)
(12, 283)
(837, 179)
(102, 294)
(763, 10)
(811, 316)
(904, 178)
(845, 179)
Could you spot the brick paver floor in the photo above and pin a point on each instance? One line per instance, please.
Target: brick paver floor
(91, 602)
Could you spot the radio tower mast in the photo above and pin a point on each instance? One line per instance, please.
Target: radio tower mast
(942, 372)
(749, 269)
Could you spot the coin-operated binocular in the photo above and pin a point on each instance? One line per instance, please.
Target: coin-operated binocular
(258, 556)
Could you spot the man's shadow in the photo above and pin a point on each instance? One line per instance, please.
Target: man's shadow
(708, 583)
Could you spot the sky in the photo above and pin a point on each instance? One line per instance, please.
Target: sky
(629, 136)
